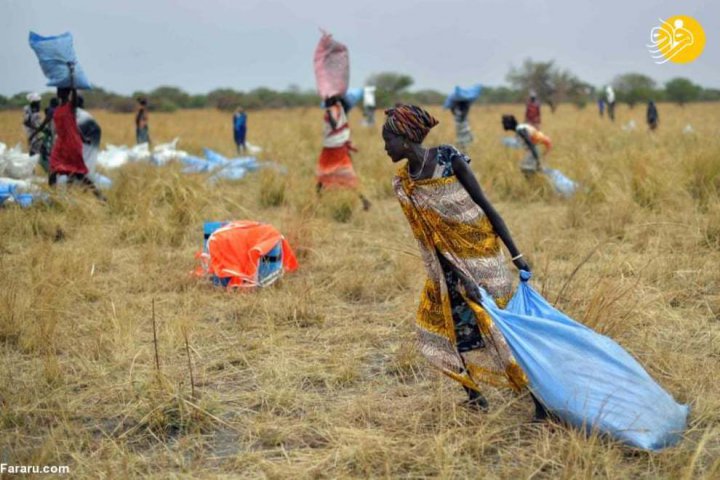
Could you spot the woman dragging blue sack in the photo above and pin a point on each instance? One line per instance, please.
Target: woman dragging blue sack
(460, 245)
(473, 327)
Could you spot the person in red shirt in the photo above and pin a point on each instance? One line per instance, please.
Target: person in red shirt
(66, 157)
(532, 111)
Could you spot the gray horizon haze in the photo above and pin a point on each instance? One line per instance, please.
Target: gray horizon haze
(200, 46)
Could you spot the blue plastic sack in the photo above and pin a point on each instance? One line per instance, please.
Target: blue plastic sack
(511, 142)
(208, 229)
(25, 200)
(270, 267)
(194, 164)
(235, 169)
(54, 54)
(229, 173)
(215, 160)
(353, 96)
(100, 181)
(7, 191)
(562, 184)
(584, 378)
(469, 94)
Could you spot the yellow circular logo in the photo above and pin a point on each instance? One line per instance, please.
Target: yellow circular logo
(678, 39)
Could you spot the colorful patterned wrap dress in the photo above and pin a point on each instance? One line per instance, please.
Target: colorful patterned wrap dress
(454, 235)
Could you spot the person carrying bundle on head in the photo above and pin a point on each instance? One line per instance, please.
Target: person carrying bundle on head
(66, 157)
(335, 168)
(460, 110)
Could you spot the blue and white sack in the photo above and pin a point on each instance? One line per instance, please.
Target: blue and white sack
(465, 94)
(54, 54)
(584, 378)
(562, 184)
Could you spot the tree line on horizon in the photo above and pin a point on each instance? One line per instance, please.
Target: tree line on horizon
(552, 84)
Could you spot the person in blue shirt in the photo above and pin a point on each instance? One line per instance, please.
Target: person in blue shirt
(240, 128)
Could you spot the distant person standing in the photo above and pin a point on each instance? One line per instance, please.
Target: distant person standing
(601, 106)
(32, 121)
(610, 99)
(532, 110)
(369, 105)
(460, 110)
(142, 128)
(46, 133)
(653, 118)
(240, 129)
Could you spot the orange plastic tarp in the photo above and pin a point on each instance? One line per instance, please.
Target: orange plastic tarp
(235, 249)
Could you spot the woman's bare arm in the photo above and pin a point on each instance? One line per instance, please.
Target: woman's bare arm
(467, 179)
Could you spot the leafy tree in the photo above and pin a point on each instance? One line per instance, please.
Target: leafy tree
(390, 86)
(18, 100)
(551, 84)
(632, 88)
(226, 99)
(169, 96)
(710, 95)
(566, 87)
(682, 90)
(500, 95)
(424, 97)
(198, 101)
(535, 76)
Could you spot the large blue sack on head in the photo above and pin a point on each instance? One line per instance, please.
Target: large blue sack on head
(54, 54)
(585, 378)
(469, 94)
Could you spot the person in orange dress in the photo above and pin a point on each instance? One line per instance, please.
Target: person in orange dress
(335, 168)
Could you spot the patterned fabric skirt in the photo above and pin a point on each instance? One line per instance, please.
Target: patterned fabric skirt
(335, 169)
(464, 135)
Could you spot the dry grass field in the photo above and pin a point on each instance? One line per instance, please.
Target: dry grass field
(318, 377)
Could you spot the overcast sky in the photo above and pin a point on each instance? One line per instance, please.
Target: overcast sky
(130, 45)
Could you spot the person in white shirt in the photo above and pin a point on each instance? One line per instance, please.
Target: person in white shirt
(369, 105)
(610, 99)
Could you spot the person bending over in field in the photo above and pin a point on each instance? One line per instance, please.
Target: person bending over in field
(66, 157)
(530, 137)
(459, 234)
(335, 168)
